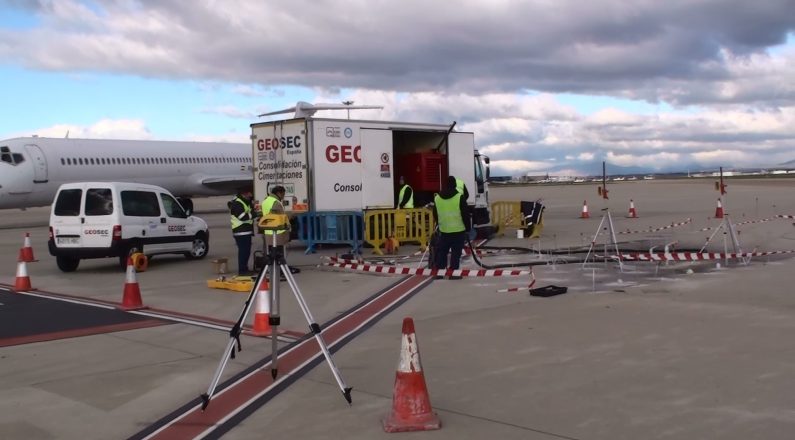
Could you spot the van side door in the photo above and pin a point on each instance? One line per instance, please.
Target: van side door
(179, 238)
(144, 222)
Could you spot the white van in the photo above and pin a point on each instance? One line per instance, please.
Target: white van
(117, 219)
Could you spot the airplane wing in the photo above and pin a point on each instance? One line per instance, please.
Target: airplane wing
(229, 183)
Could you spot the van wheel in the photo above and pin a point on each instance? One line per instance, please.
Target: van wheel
(67, 264)
(200, 248)
(135, 248)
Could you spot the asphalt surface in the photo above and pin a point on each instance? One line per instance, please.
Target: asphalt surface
(670, 351)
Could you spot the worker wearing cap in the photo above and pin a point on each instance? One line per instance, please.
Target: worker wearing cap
(405, 196)
(272, 205)
(450, 212)
(242, 227)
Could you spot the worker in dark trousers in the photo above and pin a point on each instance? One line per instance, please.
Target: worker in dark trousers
(242, 219)
(450, 211)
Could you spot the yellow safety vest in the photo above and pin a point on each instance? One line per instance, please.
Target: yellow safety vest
(236, 222)
(410, 203)
(267, 205)
(449, 212)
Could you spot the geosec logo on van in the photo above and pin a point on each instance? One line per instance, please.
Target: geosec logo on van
(176, 228)
(96, 232)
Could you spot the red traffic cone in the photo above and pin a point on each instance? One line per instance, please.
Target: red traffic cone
(632, 212)
(719, 209)
(26, 251)
(262, 313)
(411, 405)
(22, 281)
(585, 210)
(132, 292)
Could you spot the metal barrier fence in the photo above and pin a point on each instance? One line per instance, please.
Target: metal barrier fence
(506, 214)
(510, 214)
(333, 227)
(403, 225)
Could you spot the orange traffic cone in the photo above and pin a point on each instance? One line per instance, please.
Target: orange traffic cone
(585, 210)
(411, 406)
(132, 292)
(23, 280)
(26, 251)
(719, 209)
(632, 212)
(262, 313)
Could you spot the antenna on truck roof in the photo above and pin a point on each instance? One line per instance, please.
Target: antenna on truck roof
(305, 110)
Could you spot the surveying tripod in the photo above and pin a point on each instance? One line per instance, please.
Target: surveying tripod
(275, 266)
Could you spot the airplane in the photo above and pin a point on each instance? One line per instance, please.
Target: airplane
(32, 168)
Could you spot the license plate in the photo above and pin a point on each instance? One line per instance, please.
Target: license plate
(68, 240)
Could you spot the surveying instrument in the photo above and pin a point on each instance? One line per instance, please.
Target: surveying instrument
(275, 267)
(725, 225)
(606, 217)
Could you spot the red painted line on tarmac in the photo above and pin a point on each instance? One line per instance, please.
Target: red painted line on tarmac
(87, 331)
(237, 396)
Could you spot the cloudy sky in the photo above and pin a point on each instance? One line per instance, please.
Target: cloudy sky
(551, 86)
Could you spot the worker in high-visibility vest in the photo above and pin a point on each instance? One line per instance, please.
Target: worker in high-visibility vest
(450, 211)
(273, 205)
(242, 219)
(406, 195)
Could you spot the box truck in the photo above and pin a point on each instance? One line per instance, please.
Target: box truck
(330, 164)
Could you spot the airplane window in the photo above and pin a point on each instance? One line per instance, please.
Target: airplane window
(6, 157)
(63, 161)
(80, 160)
(92, 161)
(18, 158)
(103, 161)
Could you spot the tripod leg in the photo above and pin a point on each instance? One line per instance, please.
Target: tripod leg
(615, 241)
(234, 337)
(593, 242)
(315, 328)
(275, 318)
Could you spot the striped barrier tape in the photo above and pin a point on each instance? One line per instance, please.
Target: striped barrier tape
(785, 216)
(643, 231)
(694, 256)
(395, 270)
(747, 222)
(519, 289)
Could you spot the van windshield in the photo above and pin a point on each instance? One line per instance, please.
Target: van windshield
(68, 202)
(99, 201)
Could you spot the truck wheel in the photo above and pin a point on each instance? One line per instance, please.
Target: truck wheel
(67, 264)
(135, 248)
(200, 248)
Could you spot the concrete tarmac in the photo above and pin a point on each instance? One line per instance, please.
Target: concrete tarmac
(659, 351)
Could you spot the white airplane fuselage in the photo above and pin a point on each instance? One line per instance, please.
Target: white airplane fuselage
(32, 168)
